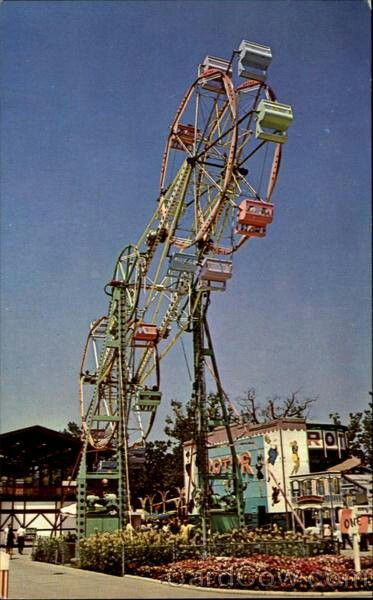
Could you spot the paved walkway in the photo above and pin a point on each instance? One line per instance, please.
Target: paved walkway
(43, 581)
(39, 581)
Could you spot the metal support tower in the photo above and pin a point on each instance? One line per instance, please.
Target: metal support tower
(202, 351)
(105, 430)
(199, 393)
(238, 486)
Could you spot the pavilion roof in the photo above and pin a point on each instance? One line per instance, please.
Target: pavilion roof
(36, 445)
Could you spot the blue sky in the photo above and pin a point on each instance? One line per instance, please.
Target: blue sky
(89, 90)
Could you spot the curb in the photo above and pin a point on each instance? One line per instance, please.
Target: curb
(235, 591)
(254, 593)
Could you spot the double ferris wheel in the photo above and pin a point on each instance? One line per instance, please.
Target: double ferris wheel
(219, 170)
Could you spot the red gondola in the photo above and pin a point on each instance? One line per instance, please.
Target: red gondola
(184, 136)
(146, 333)
(255, 213)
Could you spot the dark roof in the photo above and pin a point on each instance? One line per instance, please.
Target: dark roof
(326, 426)
(35, 430)
(37, 444)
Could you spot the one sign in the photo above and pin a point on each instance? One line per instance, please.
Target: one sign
(350, 519)
(345, 520)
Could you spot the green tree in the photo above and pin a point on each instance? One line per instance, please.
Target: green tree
(181, 424)
(73, 429)
(162, 471)
(359, 433)
(366, 437)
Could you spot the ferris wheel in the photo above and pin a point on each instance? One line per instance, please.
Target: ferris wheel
(219, 170)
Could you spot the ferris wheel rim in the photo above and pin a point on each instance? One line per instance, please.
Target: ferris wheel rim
(220, 205)
(216, 75)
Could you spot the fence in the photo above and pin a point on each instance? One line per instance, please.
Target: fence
(176, 552)
(129, 557)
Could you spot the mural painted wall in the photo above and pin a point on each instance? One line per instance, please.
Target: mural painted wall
(266, 460)
(286, 453)
(250, 455)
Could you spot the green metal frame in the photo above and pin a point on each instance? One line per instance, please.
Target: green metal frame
(87, 521)
(211, 520)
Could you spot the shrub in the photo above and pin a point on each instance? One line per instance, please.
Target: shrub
(55, 550)
(119, 552)
(101, 552)
(115, 552)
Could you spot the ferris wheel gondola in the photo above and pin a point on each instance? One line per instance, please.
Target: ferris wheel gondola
(226, 145)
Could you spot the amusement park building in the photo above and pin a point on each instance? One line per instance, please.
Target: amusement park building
(275, 459)
(36, 464)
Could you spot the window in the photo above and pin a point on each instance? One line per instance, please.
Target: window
(320, 487)
(307, 487)
(295, 488)
(335, 486)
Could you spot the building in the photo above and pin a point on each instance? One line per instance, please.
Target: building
(319, 496)
(274, 458)
(37, 465)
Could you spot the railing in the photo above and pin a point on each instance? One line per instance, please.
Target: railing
(38, 492)
(275, 547)
(327, 499)
(335, 498)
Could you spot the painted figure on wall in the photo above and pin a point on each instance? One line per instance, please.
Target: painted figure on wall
(272, 454)
(275, 494)
(295, 457)
(259, 467)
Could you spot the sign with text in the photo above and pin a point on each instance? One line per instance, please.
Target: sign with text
(349, 520)
(222, 464)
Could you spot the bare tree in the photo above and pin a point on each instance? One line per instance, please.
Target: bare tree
(275, 408)
(291, 407)
(249, 409)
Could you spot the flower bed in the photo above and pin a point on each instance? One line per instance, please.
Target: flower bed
(240, 565)
(327, 573)
(123, 552)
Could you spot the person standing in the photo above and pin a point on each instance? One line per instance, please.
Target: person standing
(4, 535)
(185, 530)
(346, 539)
(21, 539)
(9, 544)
